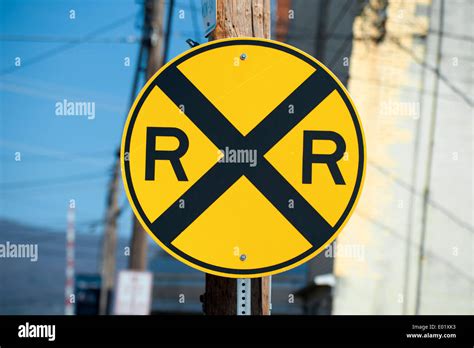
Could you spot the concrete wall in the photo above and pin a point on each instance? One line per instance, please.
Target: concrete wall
(394, 95)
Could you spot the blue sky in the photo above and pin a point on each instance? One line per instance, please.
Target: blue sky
(65, 158)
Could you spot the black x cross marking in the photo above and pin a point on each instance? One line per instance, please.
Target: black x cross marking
(262, 138)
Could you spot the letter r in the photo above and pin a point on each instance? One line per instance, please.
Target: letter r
(153, 155)
(330, 160)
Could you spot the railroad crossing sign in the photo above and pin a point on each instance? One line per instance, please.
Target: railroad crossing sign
(243, 157)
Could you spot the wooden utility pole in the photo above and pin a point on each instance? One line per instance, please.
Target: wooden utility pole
(238, 18)
(152, 35)
(154, 43)
(70, 260)
(242, 18)
(110, 241)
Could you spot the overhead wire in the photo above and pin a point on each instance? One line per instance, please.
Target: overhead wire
(434, 70)
(21, 185)
(169, 26)
(449, 214)
(194, 20)
(132, 39)
(67, 46)
(363, 215)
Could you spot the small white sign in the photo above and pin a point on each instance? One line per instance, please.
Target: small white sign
(209, 16)
(133, 295)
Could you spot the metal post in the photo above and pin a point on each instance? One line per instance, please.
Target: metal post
(244, 296)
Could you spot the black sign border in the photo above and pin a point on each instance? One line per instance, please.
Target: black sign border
(273, 45)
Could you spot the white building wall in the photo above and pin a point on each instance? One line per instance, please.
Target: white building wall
(385, 84)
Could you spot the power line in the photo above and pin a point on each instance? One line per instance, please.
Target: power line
(103, 221)
(132, 39)
(446, 34)
(414, 176)
(449, 214)
(302, 36)
(453, 36)
(332, 27)
(169, 25)
(320, 43)
(380, 16)
(380, 83)
(59, 49)
(339, 51)
(429, 161)
(339, 18)
(409, 51)
(194, 20)
(430, 253)
(14, 185)
(434, 70)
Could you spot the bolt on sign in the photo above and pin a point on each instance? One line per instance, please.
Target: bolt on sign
(243, 157)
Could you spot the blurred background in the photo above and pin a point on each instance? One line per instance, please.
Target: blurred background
(407, 249)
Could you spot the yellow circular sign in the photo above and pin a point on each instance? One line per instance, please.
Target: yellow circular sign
(243, 157)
